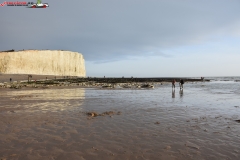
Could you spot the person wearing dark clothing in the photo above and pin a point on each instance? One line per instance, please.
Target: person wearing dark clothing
(181, 83)
(10, 79)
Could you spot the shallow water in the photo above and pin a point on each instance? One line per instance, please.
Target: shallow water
(197, 123)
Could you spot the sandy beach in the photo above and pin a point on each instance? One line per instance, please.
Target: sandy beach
(52, 123)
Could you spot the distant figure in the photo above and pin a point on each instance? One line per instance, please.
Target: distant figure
(29, 76)
(46, 77)
(181, 83)
(10, 80)
(173, 83)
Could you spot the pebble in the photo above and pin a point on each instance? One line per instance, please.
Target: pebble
(238, 120)
(191, 145)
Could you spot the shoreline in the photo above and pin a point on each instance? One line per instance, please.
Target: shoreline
(38, 81)
(22, 77)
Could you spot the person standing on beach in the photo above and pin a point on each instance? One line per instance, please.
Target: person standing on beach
(173, 83)
(181, 83)
(10, 80)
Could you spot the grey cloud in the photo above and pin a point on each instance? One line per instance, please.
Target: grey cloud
(110, 30)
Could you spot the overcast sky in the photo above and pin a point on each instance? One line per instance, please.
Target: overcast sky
(141, 38)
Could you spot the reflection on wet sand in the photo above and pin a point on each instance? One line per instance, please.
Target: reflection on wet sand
(181, 93)
(51, 94)
(48, 99)
(173, 93)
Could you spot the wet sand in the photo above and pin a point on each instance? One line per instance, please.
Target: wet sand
(153, 124)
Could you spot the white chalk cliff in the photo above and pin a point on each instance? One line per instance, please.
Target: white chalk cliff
(43, 62)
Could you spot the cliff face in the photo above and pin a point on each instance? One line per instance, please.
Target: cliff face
(43, 62)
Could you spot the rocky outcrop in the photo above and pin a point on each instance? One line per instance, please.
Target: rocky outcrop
(43, 62)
